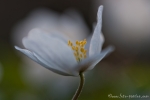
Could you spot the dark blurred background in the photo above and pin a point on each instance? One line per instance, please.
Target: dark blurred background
(126, 25)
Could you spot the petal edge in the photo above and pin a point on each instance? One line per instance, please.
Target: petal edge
(37, 59)
(97, 38)
(90, 63)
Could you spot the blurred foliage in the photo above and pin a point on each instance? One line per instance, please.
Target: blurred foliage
(105, 79)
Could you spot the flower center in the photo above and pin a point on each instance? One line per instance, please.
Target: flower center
(79, 51)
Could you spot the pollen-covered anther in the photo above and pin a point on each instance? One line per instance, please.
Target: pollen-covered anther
(84, 42)
(81, 55)
(76, 48)
(77, 42)
(82, 50)
(73, 48)
(79, 51)
(75, 54)
(84, 56)
(69, 43)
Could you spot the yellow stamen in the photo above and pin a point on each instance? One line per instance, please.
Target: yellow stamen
(81, 55)
(77, 42)
(84, 56)
(82, 50)
(69, 42)
(79, 51)
(77, 48)
(73, 48)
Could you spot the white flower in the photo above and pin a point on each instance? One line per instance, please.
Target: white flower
(69, 23)
(53, 52)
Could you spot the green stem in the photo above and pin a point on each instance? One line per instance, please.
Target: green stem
(79, 90)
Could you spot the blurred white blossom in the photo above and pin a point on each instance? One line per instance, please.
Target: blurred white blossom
(69, 24)
(52, 52)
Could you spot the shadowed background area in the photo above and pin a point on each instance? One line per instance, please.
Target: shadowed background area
(126, 71)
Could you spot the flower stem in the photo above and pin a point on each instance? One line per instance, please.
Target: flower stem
(79, 90)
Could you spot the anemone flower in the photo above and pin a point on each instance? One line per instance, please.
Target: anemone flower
(71, 24)
(52, 51)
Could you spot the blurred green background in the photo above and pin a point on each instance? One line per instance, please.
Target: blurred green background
(126, 25)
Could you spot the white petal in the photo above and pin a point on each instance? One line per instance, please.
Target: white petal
(90, 62)
(51, 49)
(37, 33)
(87, 46)
(28, 53)
(97, 38)
(40, 61)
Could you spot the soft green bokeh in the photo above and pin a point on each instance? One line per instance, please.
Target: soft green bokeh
(105, 79)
